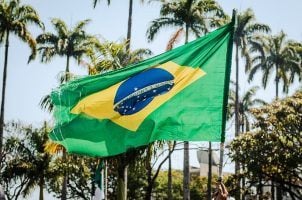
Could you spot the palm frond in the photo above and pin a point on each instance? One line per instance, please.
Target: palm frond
(22, 32)
(47, 53)
(257, 28)
(95, 2)
(159, 23)
(28, 14)
(46, 103)
(80, 25)
(254, 70)
(250, 93)
(60, 27)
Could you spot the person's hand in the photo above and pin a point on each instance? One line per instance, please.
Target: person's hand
(219, 188)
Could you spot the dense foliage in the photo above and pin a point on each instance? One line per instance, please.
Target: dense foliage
(272, 151)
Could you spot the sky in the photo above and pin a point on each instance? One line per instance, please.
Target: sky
(28, 83)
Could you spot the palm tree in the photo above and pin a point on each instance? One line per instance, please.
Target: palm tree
(105, 57)
(113, 56)
(28, 158)
(282, 58)
(244, 40)
(296, 47)
(14, 20)
(129, 26)
(246, 102)
(174, 39)
(196, 16)
(69, 43)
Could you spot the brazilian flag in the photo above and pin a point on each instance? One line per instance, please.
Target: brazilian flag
(178, 95)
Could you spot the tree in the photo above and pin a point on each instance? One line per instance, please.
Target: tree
(27, 165)
(198, 186)
(196, 16)
(276, 137)
(113, 56)
(246, 103)
(151, 151)
(70, 43)
(14, 20)
(296, 47)
(80, 176)
(12, 185)
(129, 26)
(171, 147)
(244, 40)
(280, 57)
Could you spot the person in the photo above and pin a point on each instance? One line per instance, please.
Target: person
(221, 192)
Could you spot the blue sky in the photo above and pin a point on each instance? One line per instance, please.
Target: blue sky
(27, 84)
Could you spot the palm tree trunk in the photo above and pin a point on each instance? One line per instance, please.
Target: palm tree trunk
(122, 178)
(120, 189)
(129, 25)
(123, 182)
(149, 174)
(279, 192)
(105, 179)
(170, 196)
(64, 186)
(237, 165)
(243, 167)
(260, 188)
(126, 181)
(210, 172)
(67, 69)
(93, 188)
(41, 184)
(277, 94)
(236, 93)
(186, 170)
(186, 178)
(272, 190)
(277, 81)
(3, 91)
(187, 34)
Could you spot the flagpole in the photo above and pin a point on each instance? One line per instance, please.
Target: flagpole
(221, 159)
(105, 180)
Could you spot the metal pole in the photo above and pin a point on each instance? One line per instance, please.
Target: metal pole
(105, 180)
(221, 159)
